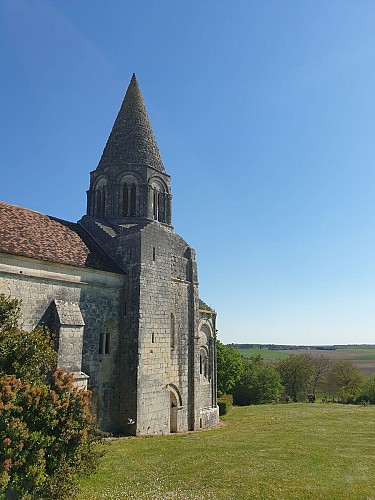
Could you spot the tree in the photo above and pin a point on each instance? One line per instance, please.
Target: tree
(295, 373)
(46, 430)
(258, 384)
(319, 371)
(229, 367)
(28, 355)
(345, 381)
(368, 391)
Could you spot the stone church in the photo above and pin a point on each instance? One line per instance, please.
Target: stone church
(119, 290)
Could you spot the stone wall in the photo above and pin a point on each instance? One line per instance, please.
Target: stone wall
(97, 294)
(153, 415)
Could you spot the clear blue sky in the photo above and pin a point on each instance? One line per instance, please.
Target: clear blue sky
(264, 112)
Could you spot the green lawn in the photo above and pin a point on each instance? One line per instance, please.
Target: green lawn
(295, 451)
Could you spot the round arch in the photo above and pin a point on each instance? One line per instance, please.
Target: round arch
(176, 393)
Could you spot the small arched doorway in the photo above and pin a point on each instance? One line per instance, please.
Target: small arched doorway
(173, 412)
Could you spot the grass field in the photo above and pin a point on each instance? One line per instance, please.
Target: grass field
(295, 451)
(363, 358)
(267, 354)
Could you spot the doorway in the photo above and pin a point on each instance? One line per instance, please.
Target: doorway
(173, 413)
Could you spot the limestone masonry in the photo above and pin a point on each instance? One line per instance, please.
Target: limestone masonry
(119, 288)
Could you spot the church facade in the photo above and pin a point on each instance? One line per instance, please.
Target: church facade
(119, 290)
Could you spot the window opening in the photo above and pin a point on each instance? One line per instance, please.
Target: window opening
(101, 343)
(102, 207)
(172, 331)
(153, 338)
(153, 253)
(156, 204)
(107, 342)
(133, 199)
(125, 308)
(203, 364)
(98, 202)
(125, 200)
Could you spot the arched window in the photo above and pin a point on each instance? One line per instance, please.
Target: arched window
(159, 196)
(173, 326)
(129, 198)
(105, 341)
(101, 341)
(133, 201)
(125, 200)
(203, 368)
(100, 201)
(156, 204)
(102, 208)
(98, 194)
(205, 351)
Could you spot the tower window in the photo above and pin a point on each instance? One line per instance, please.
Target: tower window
(133, 200)
(100, 196)
(153, 338)
(102, 208)
(125, 200)
(156, 204)
(153, 254)
(98, 202)
(129, 199)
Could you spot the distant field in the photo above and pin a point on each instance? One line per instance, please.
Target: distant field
(270, 452)
(363, 358)
(267, 354)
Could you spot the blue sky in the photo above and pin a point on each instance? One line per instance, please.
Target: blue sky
(264, 113)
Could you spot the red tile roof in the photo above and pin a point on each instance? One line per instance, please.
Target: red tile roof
(32, 234)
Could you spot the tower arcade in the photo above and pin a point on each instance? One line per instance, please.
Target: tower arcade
(130, 182)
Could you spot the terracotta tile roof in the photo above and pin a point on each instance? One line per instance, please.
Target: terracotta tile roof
(35, 235)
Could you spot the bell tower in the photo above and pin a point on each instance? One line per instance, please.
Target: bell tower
(130, 183)
(158, 373)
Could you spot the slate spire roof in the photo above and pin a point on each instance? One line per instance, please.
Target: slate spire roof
(132, 140)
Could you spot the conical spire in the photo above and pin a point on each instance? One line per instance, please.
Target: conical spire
(132, 140)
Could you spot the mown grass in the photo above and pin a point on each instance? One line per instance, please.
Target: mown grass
(295, 451)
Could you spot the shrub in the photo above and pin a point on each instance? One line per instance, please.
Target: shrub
(368, 391)
(345, 381)
(225, 404)
(46, 431)
(229, 367)
(296, 373)
(258, 384)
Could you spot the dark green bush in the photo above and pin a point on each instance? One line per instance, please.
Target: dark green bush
(225, 404)
(258, 384)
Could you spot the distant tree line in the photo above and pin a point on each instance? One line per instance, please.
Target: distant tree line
(287, 347)
(297, 378)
